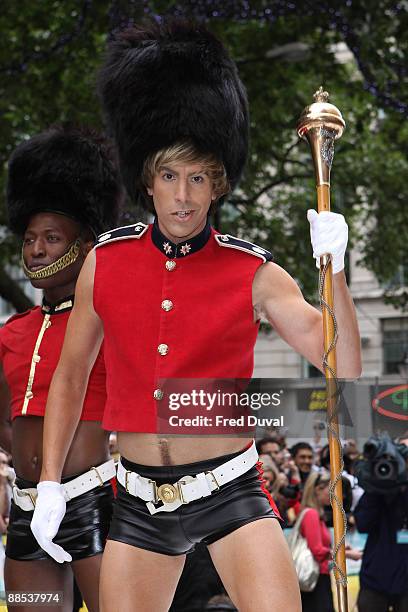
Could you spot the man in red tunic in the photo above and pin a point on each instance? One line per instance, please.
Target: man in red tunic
(62, 191)
(176, 300)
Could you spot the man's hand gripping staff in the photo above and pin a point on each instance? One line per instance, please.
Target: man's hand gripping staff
(329, 235)
(321, 124)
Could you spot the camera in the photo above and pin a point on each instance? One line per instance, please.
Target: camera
(319, 426)
(384, 467)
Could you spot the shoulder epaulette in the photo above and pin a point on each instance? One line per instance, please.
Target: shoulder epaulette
(122, 233)
(231, 242)
(19, 315)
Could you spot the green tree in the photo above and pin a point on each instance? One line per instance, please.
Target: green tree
(49, 54)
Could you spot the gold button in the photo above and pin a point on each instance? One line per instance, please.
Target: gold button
(170, 265)
(167, 305)
(158, 394)
(29, 395)
(163, 349)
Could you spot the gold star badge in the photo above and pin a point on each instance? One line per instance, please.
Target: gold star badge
(186, 248)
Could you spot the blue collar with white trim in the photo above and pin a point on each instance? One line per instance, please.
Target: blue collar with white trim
(62, 305)
(182, 249)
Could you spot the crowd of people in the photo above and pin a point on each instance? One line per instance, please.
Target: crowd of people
(298, 478)
(286, 471)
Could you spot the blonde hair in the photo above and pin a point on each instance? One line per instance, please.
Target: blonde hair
(276, 485)
(185, 152)
(309, 498)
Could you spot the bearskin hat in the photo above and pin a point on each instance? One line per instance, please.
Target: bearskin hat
(170, 82)
(66, 169)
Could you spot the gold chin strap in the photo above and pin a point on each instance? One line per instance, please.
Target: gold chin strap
(63, 262)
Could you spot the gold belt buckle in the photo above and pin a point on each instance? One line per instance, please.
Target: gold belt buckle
(33, 499)
(214, 478)
(126, 480)
(155, 491)
(153, 482)
(30, 495)
(99, 477)
(168, 493)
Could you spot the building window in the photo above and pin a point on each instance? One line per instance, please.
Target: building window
(400, 278)
(395, 344)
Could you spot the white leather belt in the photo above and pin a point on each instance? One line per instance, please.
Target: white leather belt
(96, 476)
(188, 488)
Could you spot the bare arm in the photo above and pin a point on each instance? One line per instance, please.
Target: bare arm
(277, 297)
(5, 426)
(4, 503)
(348, 348)
(83, 338)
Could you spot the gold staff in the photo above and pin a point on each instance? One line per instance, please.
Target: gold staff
(321, 124)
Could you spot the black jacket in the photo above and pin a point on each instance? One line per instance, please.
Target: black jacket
(384, 565)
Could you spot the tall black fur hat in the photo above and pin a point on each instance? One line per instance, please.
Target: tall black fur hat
(65, 169)
(169, 82)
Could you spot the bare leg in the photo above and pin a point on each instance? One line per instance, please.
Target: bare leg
(256, 568)
(137, 580)
(86, 572)
(44, 575)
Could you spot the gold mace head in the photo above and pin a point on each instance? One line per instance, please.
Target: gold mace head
(321, 124)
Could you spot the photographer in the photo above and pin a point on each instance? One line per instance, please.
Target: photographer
(382, 513)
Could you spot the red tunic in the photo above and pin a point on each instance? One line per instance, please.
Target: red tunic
(30, 347)
(318, 538)
(191, 319)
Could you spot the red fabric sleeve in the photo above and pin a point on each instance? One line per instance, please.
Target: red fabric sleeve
(312, 529)
(296, 505)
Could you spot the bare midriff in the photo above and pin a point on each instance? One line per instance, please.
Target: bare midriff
(154, 450)
(89, 448)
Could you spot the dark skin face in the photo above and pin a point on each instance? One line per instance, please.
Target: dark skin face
(48, 236)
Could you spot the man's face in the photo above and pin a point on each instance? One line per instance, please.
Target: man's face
(273, 449)
(47, 237)
(304, 460)
(182, 195)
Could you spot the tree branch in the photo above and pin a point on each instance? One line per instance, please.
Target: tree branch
(271, 185)
(12, 292)
(65, 39)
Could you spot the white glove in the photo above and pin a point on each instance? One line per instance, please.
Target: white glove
(329, 235)
(49, 511)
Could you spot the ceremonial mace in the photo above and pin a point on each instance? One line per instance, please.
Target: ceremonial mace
(321, 124)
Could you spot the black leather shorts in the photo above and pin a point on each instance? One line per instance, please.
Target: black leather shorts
(82, 533)
(206, 520)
